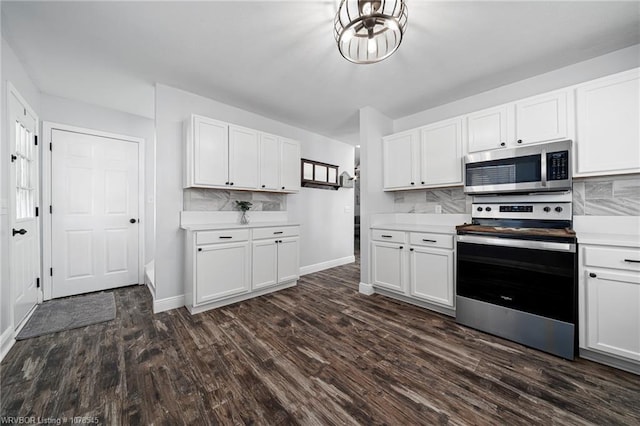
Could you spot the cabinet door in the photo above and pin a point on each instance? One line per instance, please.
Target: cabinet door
(441, 153)
(608, 125)
(613, 313)
(288, 261)
(431, 275)
(487, 129)
(400, 156)
(289, 165)
(388, 264)
(243, 157)
(269, 162)
(222, 270)
(542, 118)
(210, 152)
(265, 264)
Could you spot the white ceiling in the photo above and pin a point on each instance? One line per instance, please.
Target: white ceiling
(279, 58)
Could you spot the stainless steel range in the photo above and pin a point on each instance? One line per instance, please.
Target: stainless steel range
(516, 270)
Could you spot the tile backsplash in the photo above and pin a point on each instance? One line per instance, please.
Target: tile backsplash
(595, 196)
(202, 199)
(607, 196)
(451, 200)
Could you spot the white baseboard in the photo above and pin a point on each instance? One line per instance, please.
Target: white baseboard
(317, 267)
(7, 340)
(149, 278)
(366, 289)
(168, 303)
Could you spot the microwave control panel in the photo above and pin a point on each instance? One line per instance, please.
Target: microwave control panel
(558, 165)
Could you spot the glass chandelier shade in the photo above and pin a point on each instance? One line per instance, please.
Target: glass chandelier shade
(368, 31)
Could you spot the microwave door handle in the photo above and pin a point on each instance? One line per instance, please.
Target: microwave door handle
(543, 165)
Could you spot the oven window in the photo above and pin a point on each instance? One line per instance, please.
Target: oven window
(509, 170)
(535, 281)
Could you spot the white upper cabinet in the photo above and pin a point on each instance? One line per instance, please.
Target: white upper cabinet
(544, 118)
(400, 153)
(243, 157)
(488, 129)
(441, 153)
(289, 165)
(269, 162)
(222, 155)
(207, 152)
(608, 125)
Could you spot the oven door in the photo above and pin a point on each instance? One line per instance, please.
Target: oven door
(522, 290)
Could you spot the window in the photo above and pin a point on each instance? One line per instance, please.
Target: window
(25, 185)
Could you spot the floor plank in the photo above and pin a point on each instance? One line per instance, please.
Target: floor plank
(319, 353)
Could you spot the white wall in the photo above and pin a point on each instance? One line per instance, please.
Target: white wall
(13, 71)
(66, 111)
(373, 125)
(600, 66)
(327, 230)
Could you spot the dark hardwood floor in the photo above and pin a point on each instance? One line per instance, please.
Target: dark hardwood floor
(319, 353)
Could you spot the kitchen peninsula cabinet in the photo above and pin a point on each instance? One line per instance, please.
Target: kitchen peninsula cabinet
(416, 264)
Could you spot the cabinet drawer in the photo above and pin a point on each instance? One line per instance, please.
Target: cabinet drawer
(275, 232)
(391, 236)
(225, 236)
(610, 257)
(431, 240)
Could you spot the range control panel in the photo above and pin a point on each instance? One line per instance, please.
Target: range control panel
(544, 210)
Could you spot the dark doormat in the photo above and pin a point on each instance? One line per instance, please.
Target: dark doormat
(71, 312)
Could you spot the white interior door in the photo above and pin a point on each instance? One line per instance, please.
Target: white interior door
(24, 235)
(94, 221)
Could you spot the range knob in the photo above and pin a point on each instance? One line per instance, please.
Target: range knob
(488, 209)
(558, 209)
(479, 209)
(547, 209)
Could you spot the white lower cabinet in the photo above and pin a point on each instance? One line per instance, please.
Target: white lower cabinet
(388, 265)
(431, 272)
(222, 270)
(227, 266)
(416, 265)
(610, 298)
(275, 261)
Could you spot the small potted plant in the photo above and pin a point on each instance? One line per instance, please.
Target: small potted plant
(244, 207)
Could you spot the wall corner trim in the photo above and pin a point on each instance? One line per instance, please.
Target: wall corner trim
(168, 303)
(7, 340)
(366, 289)
(317, 267)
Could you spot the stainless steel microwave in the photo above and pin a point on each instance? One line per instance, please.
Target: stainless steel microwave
(536, 168)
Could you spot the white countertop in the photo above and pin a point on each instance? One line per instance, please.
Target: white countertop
(608, 239)
(413, 227)
(608, 230)
(251, 225)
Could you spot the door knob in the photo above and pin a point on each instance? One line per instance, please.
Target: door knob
(132, 220)
(21, 231)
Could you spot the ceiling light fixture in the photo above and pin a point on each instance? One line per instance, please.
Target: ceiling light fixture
(368, 31)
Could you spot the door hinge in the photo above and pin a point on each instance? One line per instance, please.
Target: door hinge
(50, 146)
(37, 212)
(50, 272)
(35, 139)
(25, 111)
(37, 282)
(50, 209)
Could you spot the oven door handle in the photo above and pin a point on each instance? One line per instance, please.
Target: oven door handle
(509, 242)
